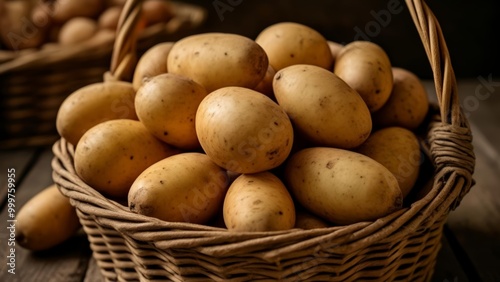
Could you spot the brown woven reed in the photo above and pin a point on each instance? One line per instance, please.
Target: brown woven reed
(33, 83)
(399, 247)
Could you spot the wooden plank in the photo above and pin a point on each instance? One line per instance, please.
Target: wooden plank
(67, 262)
(93, 272)
(448, 268)
(476, 222)
(19, 160)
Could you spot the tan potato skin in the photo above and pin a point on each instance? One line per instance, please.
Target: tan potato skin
(258, 202)
(93, 104)
(408, 104)
(265, 86)
(365, 67)
(112, 154)
(243, 130)
(398, 150)
(46, 220)
(77, 30)
(188, 187)
(289, 43)
(65, 10)
(306, 220)
(322, 107)
(166, 104)
(217, 60)
(152, 63)
(335, 48)
(342, 186)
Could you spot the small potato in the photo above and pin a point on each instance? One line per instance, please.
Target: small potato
(64, 10)
(365, 67)
(243, 130)
(46, 220)
(77, 30)
(398, 150)
(166, 104)
(93, 104)
(112, 154)
(342, 186)
(217, 60)
(322, 107)
(335, 48)
(265, 86)
(258, 202)
(306, 220)
(289, 43)
(188, 187)
(153, 62)
(17, 30)
(156, 11)
(109, 18)
(408, 104)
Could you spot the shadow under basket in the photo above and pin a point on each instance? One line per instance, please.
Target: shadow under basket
(401, 246)
(34, 83)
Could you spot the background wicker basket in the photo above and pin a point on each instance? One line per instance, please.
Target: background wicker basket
(401, 246)
(35, 82)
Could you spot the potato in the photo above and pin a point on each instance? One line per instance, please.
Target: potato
(322, 107)
(156, 11)
(289, 43)
(365, 67)
(217, 60)
(109, 18)
(64, 10)
(265, 86)
(342, 186)
(188, 187)
(335, 48)
(166, 104)
(243, 130)
(398, 150)
(46, 220)
(258, 202)
(17, 30)
(77, 30)
(153, 62)
(306, 220)
(408, 104)
(93, 104)
(112, 154)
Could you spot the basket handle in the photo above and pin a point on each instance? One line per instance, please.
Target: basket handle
(124, 56)
(450, 141)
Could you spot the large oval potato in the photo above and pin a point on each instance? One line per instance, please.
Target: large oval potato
(342, 186)
(152, 63)
(166, 104)
(398, 150)
(258, 202)
(243, 130)
(365, 67)
(289, 43)
(322, 107)
(46, 220)
(93, 104)
(217, 60)
(408, 104)
(188, 187)
(111, 155)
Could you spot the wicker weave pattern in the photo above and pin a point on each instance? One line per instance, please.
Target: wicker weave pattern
(399, 247)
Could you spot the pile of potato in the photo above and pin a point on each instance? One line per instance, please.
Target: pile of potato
(285, 131)
(28, 24)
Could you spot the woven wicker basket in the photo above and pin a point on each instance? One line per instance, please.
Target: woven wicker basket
(399, 247)
(35, 82)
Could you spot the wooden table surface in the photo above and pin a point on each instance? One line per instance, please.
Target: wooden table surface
(470, 246)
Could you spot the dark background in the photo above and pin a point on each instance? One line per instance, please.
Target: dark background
(469, 27)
